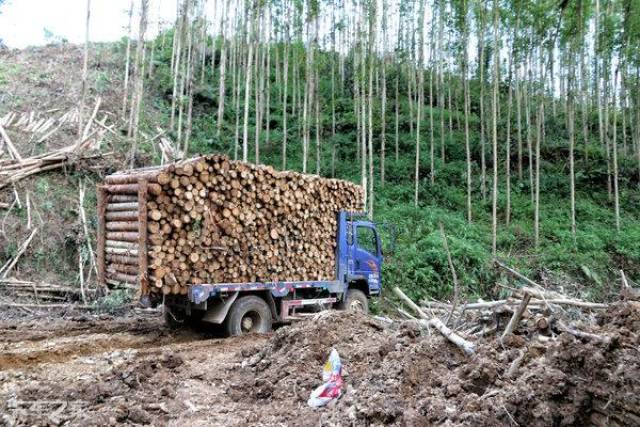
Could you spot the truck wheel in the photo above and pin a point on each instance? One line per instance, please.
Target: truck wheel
(248, 314)
(355, 300)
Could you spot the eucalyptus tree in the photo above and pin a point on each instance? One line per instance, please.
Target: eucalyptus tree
(494, 127)
(85, 61)
(421, 19)
(222, 67)
(461, 22)
(253, 12)
(127, 62)
(136, 97)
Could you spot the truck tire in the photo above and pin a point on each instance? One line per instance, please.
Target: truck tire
(248, 314)
(355, 300)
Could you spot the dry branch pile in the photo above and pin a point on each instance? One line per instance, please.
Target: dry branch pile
(536, 308)
(39, 293)
(17, 167)
(212, 220)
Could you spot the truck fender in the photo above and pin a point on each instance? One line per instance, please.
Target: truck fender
(217, 311)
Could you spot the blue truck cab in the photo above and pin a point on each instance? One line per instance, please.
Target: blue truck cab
(256, 306)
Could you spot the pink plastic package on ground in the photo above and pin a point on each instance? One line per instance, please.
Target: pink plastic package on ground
(333, 382)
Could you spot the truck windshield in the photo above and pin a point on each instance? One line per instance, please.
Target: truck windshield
(366, 239)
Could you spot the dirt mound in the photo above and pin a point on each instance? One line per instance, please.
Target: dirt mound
(399, 375)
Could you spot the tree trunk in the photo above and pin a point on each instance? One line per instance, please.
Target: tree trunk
(223, 71)
(127, 64)
(614, 149)
(421, 17)
(494, 132)
(85, 70)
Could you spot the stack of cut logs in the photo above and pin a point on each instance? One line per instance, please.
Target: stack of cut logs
(212, 220)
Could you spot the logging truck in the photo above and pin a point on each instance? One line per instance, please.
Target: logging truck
(253, 307)
(235, 244)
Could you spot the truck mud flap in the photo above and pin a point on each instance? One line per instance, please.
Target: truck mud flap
(218, 310)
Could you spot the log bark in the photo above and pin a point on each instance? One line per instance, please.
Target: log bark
(122, 277)
(122, 268)
(122, 216)
(127, 206)
(517, 315)
(121, 251)
(132, 188)
(122, 259)
(122, 198)
(148, 174)
(123, 236)
(466, 346)
(101, 234)
(142, 238)
(121, 226)
(121, 244)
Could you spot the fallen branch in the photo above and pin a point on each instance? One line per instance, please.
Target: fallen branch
(584, 335)
(410, 303)
(48, 306)
(35, 287)
(516, 274)
(628, 292)
(85, 227)
(456, 291)
(547, 297)
(11, 263)
(467, 346)
(517, 315)
(10, 146)
(544, 298)
(515, 365)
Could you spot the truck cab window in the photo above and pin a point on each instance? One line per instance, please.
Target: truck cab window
(366, 239)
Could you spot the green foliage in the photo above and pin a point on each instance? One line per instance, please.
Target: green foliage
(419, 263)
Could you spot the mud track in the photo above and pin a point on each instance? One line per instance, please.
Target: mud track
(115, 371)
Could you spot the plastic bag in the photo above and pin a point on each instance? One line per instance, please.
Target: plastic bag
(332, 377)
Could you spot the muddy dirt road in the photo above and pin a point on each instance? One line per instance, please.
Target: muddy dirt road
(110, 371)
(131, 370)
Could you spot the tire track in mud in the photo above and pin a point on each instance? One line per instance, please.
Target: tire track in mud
(22, 333)
(63, 345)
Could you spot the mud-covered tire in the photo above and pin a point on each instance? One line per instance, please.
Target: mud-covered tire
(249, 314)
(355, 300)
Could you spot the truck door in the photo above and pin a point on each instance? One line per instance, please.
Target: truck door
(367, 255)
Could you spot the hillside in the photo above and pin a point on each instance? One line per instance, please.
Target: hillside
(45, 81)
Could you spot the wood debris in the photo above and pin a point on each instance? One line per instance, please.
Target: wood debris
(18, 167)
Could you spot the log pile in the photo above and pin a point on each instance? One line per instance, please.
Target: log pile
(213, 220)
